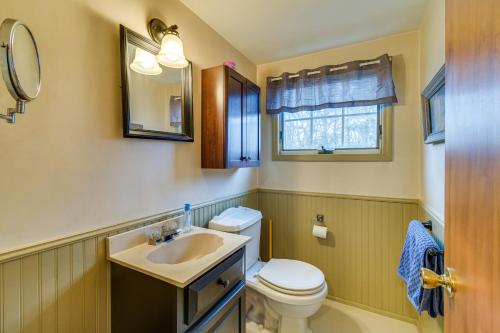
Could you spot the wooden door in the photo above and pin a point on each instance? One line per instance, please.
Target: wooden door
(473, 164)
(235, 111)
(252, 125)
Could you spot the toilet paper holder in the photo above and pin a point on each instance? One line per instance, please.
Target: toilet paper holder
(319, 218)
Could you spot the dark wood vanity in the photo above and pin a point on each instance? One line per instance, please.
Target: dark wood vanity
(214, 302)
(230, 120)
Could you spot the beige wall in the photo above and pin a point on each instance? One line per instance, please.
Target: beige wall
(399, 178)
(432, 57)
(65, 166)
(432, 54)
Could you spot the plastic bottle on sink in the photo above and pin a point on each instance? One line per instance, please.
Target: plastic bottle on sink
(187, 226)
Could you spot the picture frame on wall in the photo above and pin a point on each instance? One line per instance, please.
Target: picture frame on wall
(433, 109)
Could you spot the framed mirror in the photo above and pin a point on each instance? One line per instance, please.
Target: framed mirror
(433, 108)
(20, 65)
(157, 101)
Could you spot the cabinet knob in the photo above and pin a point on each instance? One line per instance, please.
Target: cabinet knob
(249, 158)
(223, 283)
(243, 158)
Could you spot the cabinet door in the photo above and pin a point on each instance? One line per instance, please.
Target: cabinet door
(252, 125)
(235, 105)
(232, 322)
(227, 317)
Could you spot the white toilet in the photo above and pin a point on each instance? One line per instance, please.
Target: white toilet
(293, 289)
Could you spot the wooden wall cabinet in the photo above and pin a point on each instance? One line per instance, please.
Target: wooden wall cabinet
(230, 120)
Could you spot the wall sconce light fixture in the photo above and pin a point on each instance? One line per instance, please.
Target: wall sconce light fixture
(172, 51)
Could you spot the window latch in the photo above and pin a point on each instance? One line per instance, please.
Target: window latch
(325, 151)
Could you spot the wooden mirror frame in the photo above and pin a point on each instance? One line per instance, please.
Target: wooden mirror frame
(127, 37)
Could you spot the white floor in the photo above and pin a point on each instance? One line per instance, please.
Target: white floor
(334, 317)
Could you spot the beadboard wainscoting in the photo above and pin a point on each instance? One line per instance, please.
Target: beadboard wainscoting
(64, 286)
(361, 253)
(427, 324)
(437, 224)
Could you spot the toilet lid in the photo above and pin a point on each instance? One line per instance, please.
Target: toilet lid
(292, 277)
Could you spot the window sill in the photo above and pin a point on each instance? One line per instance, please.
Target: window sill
(335, 157)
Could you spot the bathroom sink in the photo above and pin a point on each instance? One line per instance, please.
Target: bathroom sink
(180, 261)
(185, 248)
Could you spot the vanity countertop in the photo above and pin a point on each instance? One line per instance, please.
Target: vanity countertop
(131, 249)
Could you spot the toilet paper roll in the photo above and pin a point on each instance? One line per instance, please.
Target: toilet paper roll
(320, 232)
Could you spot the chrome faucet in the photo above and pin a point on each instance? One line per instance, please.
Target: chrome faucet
(164, 233)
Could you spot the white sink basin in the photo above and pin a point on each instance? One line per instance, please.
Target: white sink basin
(189, 247)
(178, 262)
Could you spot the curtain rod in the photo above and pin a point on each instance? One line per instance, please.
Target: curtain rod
(291, 76)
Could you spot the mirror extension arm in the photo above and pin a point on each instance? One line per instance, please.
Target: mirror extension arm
(11, 112)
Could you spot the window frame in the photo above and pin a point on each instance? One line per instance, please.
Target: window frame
(383, 153)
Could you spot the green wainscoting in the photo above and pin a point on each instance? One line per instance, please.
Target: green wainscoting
(63, 285)
(427, 324)
(437, 223)
(361, 253)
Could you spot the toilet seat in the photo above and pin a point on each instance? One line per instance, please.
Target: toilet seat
(292, 277)
(292, 292)
(254, 282)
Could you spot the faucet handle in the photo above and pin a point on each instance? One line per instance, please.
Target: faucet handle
(169, 230)
(155, 235)
(171, 225)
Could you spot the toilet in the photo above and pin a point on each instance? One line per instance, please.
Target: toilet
(293, 289)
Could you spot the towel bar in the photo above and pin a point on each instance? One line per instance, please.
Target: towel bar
(432, 252)
(428, 225)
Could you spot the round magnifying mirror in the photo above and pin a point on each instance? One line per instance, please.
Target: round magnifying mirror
(20, 62)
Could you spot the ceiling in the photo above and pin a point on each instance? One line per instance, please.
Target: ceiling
(269, 30)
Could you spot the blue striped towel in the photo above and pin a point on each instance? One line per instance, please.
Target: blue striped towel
(418, 241)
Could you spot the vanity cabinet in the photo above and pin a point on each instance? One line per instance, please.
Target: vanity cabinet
(230, 120)
(215, 302)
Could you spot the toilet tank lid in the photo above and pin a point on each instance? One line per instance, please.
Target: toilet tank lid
(235, 219)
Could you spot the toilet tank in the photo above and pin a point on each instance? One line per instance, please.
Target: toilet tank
(243, 221)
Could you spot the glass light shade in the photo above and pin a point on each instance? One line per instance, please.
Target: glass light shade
(145, 63)
(172, 52)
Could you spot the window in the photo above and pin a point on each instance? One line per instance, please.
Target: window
(342, 128)
(344, 134)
